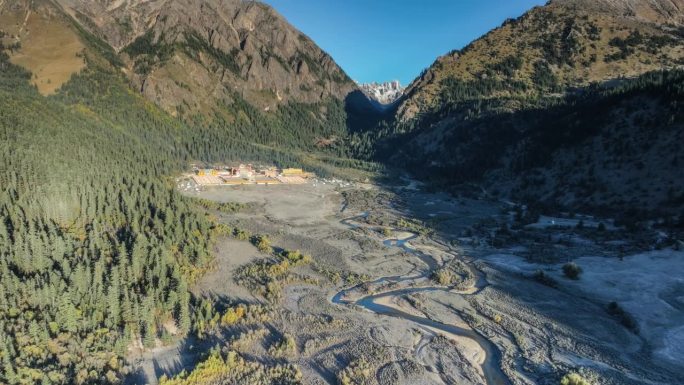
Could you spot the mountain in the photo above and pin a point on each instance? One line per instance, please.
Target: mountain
(552, 49)
(195, 57)
(196, 60)
(100, 103)
(609, 150)
(564, 106)
(384, 93)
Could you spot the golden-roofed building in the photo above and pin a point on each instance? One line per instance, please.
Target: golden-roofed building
(207, 180)
(291, 179)
(292, 172)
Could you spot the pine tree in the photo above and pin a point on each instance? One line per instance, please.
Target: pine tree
(7, 364)
(66, 314)
(184, 319)
(148, 322)
(114, 300)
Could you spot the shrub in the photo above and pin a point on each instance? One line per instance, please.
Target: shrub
(443, 277)
(264, 277)
(283, 348)
(412, 225)
(357, 373)
(223, 229)
(572, 270)
(234, 369)
(544, 279)
(232, 316)
(262, 243)
(573, 379)
(223, 207)
(544, 77)
(241, 234)
(625, 318)
(296, 257)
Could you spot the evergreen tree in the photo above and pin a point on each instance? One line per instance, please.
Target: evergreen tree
(66, 315)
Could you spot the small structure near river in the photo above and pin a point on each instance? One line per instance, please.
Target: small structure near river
(244, 174)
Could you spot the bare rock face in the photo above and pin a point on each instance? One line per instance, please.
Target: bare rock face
(193, 57)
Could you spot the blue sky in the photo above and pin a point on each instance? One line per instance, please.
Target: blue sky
(380, 40)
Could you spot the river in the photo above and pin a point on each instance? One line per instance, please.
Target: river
(491, 367)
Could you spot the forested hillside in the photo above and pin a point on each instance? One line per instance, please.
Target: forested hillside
(97, 250)
(608, 149)
(558, 106)
(548, 51)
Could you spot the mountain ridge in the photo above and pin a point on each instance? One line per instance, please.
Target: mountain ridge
(386, 93)
(99, 250)
(569, 43)
(194, 58)
(483, 113)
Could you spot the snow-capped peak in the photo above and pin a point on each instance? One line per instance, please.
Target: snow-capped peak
(385, 93)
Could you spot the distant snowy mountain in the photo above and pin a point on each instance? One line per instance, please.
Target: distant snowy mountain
(384, 93)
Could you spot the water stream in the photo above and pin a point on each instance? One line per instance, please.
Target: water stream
(491, 367)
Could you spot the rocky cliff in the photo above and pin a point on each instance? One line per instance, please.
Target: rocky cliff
(195, 57)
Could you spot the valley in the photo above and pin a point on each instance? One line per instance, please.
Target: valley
(405, 286)
(194, 192)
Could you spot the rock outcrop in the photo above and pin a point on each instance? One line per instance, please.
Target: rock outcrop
(193, 57)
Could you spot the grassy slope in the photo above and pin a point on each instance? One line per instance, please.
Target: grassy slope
(546, 50)
(36, 31)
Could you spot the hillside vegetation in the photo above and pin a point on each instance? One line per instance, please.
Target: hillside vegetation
(607, 149)
(97, 250)
(565, 105)
(101, 103)
(549, 50)
(33, 36)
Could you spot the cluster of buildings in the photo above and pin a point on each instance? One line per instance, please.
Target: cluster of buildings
(248, 174)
